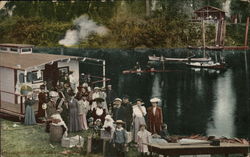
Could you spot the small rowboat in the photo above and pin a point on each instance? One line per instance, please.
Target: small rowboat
(145, 71)
(209, 65)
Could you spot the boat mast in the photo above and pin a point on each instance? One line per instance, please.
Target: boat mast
(203, 37)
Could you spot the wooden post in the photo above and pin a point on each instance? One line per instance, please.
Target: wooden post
(89, 145)
(104, 147)
(246, 33)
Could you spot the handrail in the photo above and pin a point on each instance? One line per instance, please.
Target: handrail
(21, 99)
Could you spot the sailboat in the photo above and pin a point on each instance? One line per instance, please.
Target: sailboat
(210, 64)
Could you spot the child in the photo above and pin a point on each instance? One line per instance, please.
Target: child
(143, 136)
(119, 139)
(164, 133)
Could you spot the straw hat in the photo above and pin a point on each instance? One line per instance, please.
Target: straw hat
(155, 100)
(119, 122)
(53, 94)
(99, 100)
(117, 99)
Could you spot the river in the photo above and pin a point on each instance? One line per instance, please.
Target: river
(194, 101)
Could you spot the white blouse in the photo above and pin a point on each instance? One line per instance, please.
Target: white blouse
(137, 112)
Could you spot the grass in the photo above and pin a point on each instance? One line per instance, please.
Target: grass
(30, 141)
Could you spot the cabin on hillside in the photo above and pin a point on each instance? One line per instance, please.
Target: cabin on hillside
(209, 13)
(19, 67)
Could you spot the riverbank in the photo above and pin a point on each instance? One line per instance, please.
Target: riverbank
(18, 140)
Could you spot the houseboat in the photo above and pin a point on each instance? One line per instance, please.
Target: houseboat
(20, 67)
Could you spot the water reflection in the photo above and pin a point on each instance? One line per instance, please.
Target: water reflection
(157, 87)
(222, 121)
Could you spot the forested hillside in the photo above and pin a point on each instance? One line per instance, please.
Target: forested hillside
(128, 24)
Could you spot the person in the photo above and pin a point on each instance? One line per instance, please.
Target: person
(83, 108)
(109, 125)
(119, 110)
(51, 106)
(154, 117)
(80, 92)
(164, 133)
(104, 96)
(29, 118)
(139, 112)
(129, 112)
(95, 95)
(42, 98)
(119, 139)
(99, 112)
(73, 113)
(73, 81)
(65, 78)
(63, 108)
(143, 136)
(110, 96)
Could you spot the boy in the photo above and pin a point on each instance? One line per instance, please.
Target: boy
(120, 139)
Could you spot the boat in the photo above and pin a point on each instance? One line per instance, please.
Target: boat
(135, 71)
(188, 59)
(208, 65)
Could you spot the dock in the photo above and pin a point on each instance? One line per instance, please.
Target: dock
(199, 149)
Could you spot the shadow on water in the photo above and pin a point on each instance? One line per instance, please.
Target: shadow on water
(194, 101)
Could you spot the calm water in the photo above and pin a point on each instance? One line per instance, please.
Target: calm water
(194, 101)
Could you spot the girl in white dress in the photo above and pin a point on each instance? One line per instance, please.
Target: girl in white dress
(143, 136)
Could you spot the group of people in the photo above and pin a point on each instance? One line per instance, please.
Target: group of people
(100, 109)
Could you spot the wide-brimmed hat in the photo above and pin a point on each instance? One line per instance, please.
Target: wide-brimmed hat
(138, 99)
(42, 86)
(119, 122)
(80, 87)
(98, 99)
(53, 94)
(155, 100)
(117, 99)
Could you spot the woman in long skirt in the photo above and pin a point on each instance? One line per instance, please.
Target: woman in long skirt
(139, 112)
(29, 118)
(73, 113)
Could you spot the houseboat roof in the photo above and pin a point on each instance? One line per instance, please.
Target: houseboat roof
(16, 45)
(25, 61)
(209, 9)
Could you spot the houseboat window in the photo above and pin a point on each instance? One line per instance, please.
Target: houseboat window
(21, 77)
(14, 49)
(29, 77)
(3, 48)
(26, 49)
(37, 76)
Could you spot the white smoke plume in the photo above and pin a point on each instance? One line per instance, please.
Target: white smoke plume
(85, 27)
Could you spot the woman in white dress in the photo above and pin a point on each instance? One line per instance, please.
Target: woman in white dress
(139, 112)
(83, 108)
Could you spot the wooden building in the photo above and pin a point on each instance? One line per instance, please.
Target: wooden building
(19, 67)
(209, 13)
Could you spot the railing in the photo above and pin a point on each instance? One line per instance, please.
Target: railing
(22, 97)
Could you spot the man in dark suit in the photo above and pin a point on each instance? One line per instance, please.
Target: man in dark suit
(155, 117)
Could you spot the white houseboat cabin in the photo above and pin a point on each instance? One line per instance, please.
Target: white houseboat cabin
(19, 67)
